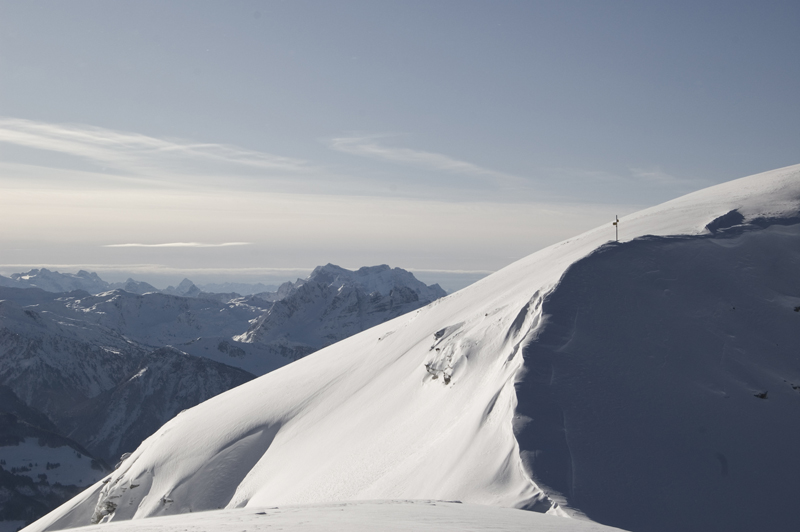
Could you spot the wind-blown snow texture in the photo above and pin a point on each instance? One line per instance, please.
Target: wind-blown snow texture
(360, 516)
(653, 387)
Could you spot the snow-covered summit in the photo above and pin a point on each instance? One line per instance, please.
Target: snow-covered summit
(382, 279)
(334, 303)
(677, 414)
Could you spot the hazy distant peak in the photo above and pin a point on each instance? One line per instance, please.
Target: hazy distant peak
(186, 284)
(186, 288)
(373, 270)
(382, 279)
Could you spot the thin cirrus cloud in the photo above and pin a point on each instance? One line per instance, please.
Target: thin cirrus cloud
(121, 155)
(136, 153)
(658, 177)
(178, 245)
(652, 176)
(368, 147)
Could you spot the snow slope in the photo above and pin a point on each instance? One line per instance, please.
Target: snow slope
(425, 406)
(388, 516)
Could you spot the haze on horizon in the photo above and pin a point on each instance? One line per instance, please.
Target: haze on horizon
(251, 141)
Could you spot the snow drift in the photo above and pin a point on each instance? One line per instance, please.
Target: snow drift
(611, 379)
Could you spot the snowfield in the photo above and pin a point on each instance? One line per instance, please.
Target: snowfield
(363, 516)
(521, 391)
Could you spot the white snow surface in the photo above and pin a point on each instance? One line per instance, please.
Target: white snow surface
(421, 407)
(388, 516)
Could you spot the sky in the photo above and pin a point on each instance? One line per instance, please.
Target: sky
(250, 141)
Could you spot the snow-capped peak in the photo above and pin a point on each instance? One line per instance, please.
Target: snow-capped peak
(382, 279)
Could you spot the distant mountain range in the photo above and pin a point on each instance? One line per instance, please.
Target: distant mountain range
(105, 365)
(53, 281)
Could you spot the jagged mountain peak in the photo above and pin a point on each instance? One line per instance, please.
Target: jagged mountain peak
(334, 303)
(382, 279)
(186, 284)
(185, 288)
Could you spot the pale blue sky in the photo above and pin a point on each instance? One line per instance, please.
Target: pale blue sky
(437, 135)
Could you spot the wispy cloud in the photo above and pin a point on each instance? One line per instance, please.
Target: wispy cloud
(658, 177)
(650, 176)
(178, 245)
(136, 153)
(368, 147)
(79, 156)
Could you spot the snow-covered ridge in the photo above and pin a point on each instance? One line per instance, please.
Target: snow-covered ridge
(423, 406)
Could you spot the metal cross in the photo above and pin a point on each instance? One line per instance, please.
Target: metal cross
(616, 227)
